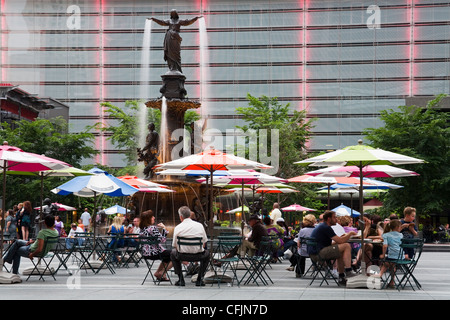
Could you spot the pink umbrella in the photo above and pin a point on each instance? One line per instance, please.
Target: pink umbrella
(371, 171)
(307, 178)
(60, 206)
(15, 159)
(297, 207)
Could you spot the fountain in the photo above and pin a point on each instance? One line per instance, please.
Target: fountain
(173, 105)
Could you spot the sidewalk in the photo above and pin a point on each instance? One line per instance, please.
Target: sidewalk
(432, 272)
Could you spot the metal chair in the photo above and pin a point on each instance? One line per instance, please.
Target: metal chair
(321, 267)
(256, 268)
(49, 245)
(228, 256)
(150, 260)
(401, 269)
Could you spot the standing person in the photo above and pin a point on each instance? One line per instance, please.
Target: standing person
(19, 215)
(26, 219)
(59, 225)
(330, 246)
(409, 228)
(31, 249)
(10, 225)
(148, 228)
(189, 229)
(86, 218)
(275, 214)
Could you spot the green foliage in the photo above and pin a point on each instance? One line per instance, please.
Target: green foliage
(51, 138)
(422, 133)
(294, 129)
(125, 131)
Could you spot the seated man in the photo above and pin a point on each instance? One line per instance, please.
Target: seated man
(71, 237)
(30, 249)
(189, 228)
(325, 236)
(252, 240)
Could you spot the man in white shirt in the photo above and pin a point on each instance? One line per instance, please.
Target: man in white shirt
(275, 214)
(86, 219)
(72, 238)
(189, 228)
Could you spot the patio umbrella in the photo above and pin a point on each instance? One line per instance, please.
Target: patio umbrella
(360, 156)
(239, 209)
(296, 207)
(61, 207)
(343, 210)
(370, 171)
(306, 178)
(212, 160)
(101, 182)
(251, 178)
(15, 159)
(116, 209)
(140, 183)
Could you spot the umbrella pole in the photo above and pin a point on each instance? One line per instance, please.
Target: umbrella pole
(361, 200)
(329, 185)
(3, 213)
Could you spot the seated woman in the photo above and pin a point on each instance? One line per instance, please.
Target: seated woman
(149, 229)
(277, 234)
(116, 228)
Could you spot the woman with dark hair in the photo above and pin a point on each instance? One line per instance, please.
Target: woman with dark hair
(172, 39)
(149, 229)
(26, 219)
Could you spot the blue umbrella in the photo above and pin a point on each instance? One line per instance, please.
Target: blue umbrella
(100, 183)
(116, 209)
(344, 210)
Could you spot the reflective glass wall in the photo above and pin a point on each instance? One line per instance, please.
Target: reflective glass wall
(342, 61)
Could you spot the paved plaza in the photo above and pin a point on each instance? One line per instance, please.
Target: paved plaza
(432, 272)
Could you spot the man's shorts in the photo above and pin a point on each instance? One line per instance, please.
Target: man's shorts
(330, 252)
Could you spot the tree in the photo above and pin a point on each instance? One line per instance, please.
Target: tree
(294, 130)
(422, 133)
(48, 137)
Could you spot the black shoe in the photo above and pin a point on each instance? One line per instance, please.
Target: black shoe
(342, 282)
(199, 283)
(180, 283)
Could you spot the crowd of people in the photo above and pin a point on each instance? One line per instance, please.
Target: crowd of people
(332, 233)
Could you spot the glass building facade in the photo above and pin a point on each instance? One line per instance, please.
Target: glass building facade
(341, 61)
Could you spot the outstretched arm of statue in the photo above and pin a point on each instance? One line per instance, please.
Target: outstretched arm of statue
(188, 22)
(160, 22)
